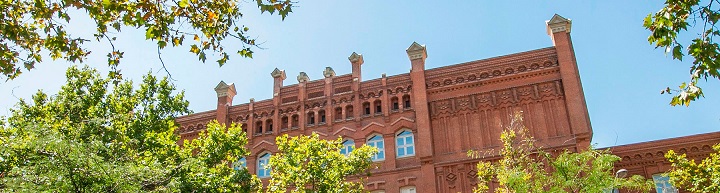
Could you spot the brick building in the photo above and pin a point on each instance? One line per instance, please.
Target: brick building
(426, 120)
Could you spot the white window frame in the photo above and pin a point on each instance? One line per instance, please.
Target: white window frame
(404, 146)
(348, 146)
(374, 143)
(240, 164)
(262, 162)
(662, 184)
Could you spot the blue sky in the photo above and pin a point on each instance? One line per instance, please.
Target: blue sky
(622, 74)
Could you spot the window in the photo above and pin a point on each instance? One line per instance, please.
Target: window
(395, 104)
(262, 162)
(350, 113)
(377, 142)
(366, 107)
(408, 189)
(338, 113)
(258, 127)
(378, 107)
(321, 113)
(269, 124)
(311, 118)
(406, 101)
(405, 144)
(284, 124)
(239, 164)
(244, 127)
(295, 121)
(348, 146)
(662, 184)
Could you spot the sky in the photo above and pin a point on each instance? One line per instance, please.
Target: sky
(622, 74)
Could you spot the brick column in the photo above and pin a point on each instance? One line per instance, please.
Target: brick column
(278, 77)
(357, 61)
(417, 55)
(225, 94)
(559, 30)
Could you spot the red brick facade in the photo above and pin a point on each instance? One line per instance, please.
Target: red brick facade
(449, 110)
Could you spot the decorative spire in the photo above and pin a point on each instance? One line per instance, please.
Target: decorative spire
(558, 24)
(416, 51)
(277, 73)
(329, 72)
(303, 77)
(356, 58)
(223, 89)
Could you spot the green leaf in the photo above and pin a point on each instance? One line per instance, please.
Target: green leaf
(183, 3)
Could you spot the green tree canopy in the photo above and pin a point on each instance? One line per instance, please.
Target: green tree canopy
(694, 177)
(674, 18)
(523, 167)
(28, 28)
(310, 164)
(94, 136)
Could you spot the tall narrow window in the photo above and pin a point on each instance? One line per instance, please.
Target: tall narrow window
(262, 171)
(295, 120)
(321, 114)
(395, 104)
(258, 127)
(350, 113)
(348, 146)
(284, 124)
(378, 107)
(366, 108)
(377, 142)
(311, 118)
(338, 114)
(244, 127)
(406, 101)
(662, 184)
(269, 124)
(239, 164)
(405, 143)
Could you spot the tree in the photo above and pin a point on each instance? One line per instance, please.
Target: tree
(29, 27)
(91, 137)
(676, 17)
(522, 167)
(311, 164)
(686, 174)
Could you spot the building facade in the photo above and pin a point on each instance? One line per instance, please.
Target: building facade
(426, 120)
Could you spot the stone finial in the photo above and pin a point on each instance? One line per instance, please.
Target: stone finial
(277, 73)
(384, 75)
(223, 89)
(356, 58)
(558, 24)
(303, 77)
(416, 51)
(329, 72)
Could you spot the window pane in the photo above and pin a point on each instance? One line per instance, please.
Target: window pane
(408, 140)
(400, 142)
(381, 155)
(401, 152)
(380, 145)
(411, 150)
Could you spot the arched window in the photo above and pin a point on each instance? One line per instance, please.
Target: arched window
(405, 143)
(348, 146)
(311, 118)
(321, 114)
(395, 103)
(239, 164)
(284, 123)
(295, 120)
(377, 142)
(338, 114)
(269, 124)
(350, 113)
(366, 108)
(378, 107)
(662, 184)
(258, 127)
(263, 160)
(406, 101)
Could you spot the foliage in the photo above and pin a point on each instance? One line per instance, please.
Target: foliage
(522, 168)
(29, 27)
(686, 174)
(677, 16)
(94, 138)
(311, 164)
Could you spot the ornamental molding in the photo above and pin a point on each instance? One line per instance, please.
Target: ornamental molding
(402, 119)
(371, 124)
(342, 129)
(416, 51)
(262, 142)
(558, 24)
(223, 89)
